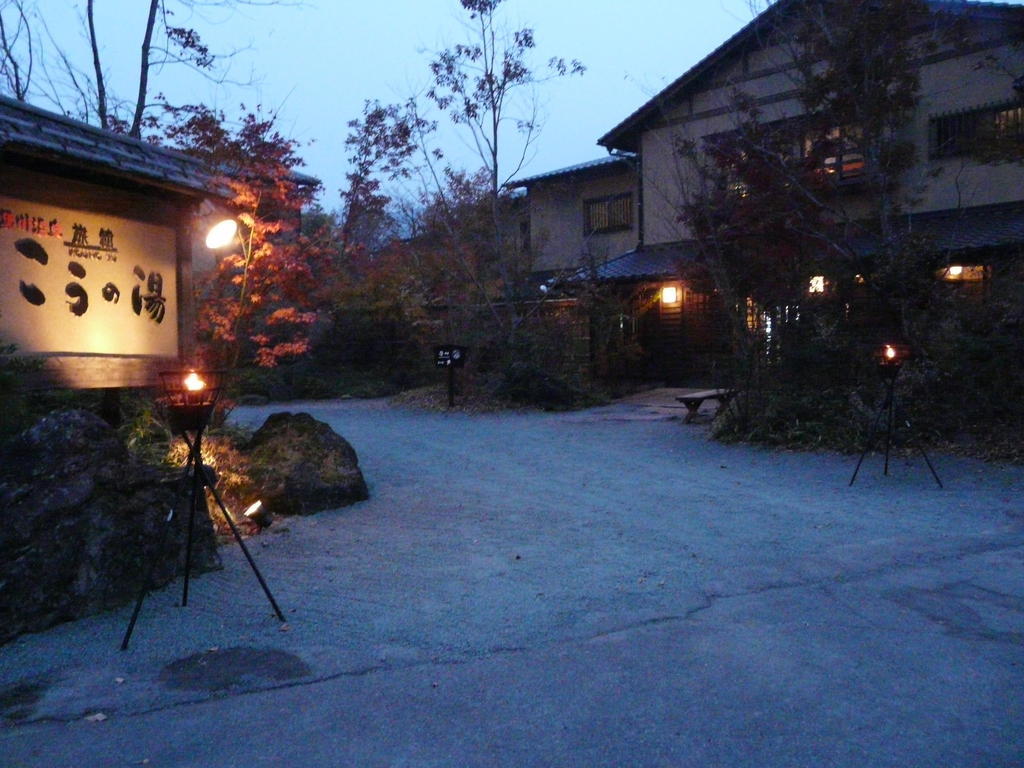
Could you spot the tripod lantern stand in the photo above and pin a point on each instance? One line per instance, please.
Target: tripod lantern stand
(189, 398)
(889, 359)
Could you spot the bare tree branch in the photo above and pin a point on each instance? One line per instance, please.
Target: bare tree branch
(17, 75)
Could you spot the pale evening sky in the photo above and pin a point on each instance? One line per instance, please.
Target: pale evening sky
(316, 63)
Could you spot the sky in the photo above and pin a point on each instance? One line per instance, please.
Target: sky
(316, 63)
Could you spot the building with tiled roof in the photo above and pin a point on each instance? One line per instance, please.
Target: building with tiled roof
(619, 222)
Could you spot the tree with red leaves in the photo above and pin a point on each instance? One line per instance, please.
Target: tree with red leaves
(259, 302)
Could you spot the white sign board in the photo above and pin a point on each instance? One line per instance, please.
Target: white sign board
(73, 282)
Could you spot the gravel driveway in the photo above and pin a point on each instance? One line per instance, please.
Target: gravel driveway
(597, 588)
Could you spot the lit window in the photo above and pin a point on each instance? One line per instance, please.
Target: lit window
(839, 152)
(816, 284)
(669, 294)
(756, 318)
(608, 214)
(961, 273)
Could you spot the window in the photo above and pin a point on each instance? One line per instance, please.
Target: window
(608, 214)
(839, 151)
(957, 133)
(959, 273)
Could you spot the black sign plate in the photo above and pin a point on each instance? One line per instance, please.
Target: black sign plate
(449, 356)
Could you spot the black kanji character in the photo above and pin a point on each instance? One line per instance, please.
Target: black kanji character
(80, 235)
(80, 304)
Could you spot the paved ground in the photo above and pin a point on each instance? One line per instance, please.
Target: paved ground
(602, 588)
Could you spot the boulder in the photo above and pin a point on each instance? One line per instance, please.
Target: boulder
(298, 466)
(81, 522)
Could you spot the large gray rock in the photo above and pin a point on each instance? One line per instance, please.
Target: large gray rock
(298, 466)
(81, 522)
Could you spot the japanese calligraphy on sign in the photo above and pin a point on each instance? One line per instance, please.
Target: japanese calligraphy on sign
(64, 274)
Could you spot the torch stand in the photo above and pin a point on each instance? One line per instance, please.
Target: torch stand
(185, 419)
(888, 408)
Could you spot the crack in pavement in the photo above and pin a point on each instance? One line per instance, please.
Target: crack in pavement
(708, 601)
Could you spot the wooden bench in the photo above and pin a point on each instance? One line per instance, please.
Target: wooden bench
(694, 400)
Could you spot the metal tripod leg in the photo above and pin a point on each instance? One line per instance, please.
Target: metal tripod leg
(200, 481)
(241, 543)
(891, 402)
(147, 581)
(870, 441)
(196, 460)
(926, 461)
(888, 407)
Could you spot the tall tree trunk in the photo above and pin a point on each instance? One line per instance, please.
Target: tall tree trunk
(101, 89)
(140, 102)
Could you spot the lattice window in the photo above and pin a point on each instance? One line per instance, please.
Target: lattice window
(608, 214)
(960, 132)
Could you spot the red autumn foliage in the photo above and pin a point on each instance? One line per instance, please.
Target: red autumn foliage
(258, 303)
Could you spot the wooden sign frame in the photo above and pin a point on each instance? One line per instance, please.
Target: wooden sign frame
(101, 195)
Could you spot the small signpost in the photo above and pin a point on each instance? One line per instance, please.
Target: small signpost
(450, 356)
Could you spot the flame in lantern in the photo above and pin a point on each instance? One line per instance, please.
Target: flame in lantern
(193, 383)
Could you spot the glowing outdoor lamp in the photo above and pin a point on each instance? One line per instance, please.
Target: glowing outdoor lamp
(189, 398)
(222, 234)
(669, 294)
(258, 515)
(193, 383)
(890, 358)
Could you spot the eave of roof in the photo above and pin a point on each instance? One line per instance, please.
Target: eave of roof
(951, 231)
(646, 262)
(622, 136)
(598, 167)
(30, 132)
(966, 229)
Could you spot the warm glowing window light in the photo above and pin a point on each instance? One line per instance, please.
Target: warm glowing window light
(816, 284)
(890, 352)
(966, 273)
(669, 294)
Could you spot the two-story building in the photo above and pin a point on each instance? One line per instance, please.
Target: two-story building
(618, 219)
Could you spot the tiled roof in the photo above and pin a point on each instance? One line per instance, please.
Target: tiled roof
(965, 229)
(646, 262)
(30, 131)
(619, 137)
(574, 170)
